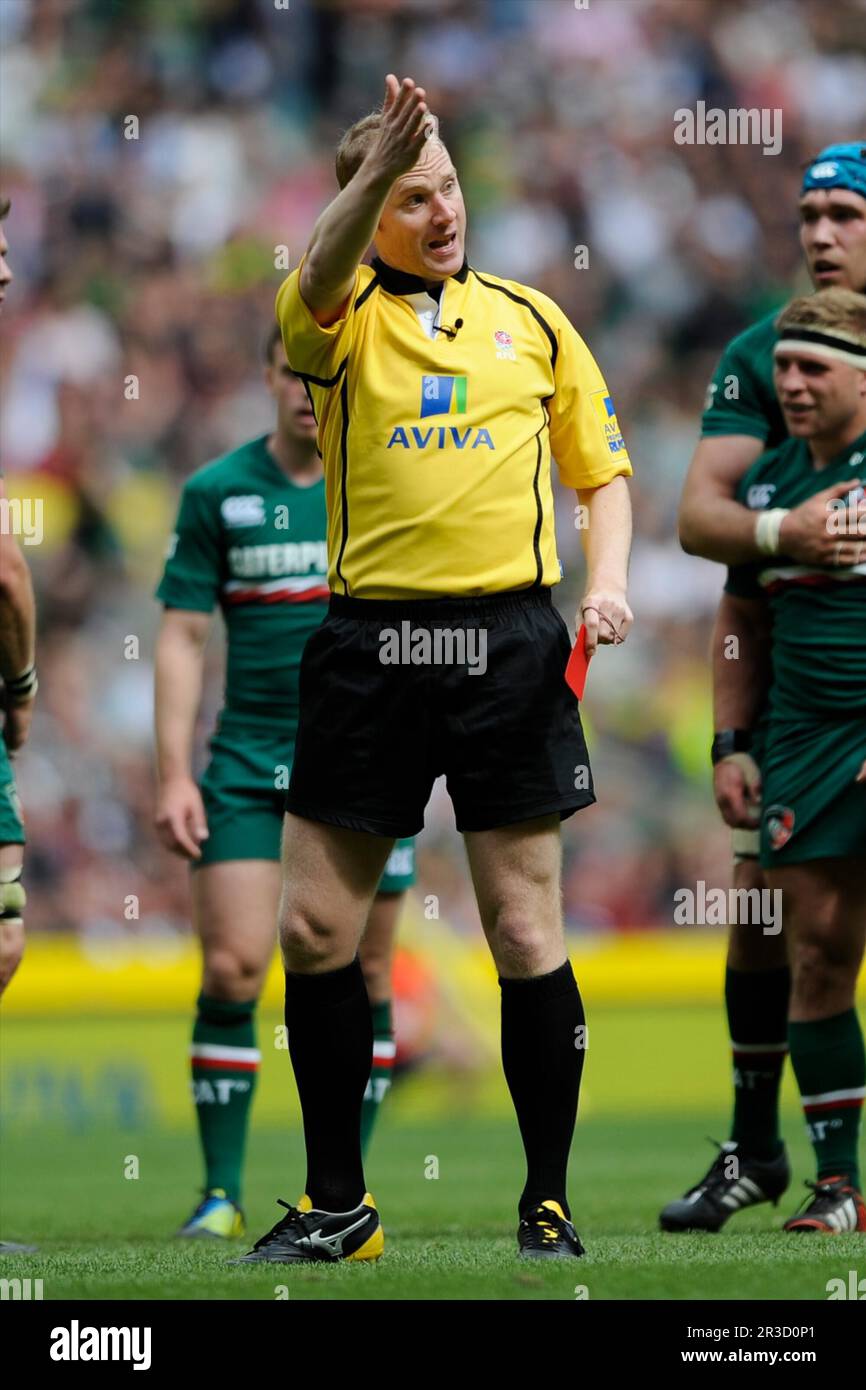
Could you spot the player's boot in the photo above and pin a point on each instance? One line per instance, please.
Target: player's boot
(545, 1233)
(727, 1188)
(307, 1234)
(216, 1217)
(835, 1207)
(11, 1247)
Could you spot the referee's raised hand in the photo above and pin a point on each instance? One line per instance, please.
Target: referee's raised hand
(406, 124)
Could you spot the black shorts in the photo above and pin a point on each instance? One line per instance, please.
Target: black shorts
(373, 737)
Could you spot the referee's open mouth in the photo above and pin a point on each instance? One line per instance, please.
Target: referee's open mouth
(442, 246)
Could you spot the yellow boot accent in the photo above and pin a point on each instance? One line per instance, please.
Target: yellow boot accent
(554, 1206)
(373, 1247)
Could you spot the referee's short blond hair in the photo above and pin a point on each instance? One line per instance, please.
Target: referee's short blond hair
(834, 311)
(355, 144)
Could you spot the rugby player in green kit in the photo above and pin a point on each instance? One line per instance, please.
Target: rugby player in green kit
(812, 622)
(250, 537)
(742, 419)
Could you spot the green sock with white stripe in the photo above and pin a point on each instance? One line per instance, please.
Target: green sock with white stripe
(384, 1049)
(225, 1064)
(829, 1062)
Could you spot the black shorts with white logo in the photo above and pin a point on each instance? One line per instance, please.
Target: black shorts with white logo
(395, 693)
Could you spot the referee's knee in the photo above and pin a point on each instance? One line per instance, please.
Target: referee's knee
(306, 941)
(522, 945)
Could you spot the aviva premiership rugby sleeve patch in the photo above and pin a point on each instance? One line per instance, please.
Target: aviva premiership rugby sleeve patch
(602, 404)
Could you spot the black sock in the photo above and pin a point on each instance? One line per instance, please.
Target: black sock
(757, 1005)
(542, 1065)
(330, 1035)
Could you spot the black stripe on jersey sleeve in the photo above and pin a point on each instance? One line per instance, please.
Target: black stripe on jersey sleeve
(519, 299)
(306, 378)
(539, 511)
(344, 478)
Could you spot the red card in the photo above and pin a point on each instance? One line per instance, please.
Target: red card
(578, 664)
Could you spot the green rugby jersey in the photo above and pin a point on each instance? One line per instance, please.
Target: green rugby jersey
(251, 540)
(818, 615)
(741, 398)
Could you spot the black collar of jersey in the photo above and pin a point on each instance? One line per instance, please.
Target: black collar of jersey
(401, 282)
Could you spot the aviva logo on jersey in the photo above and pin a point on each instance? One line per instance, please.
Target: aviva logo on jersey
(606, 416)
(441, 395)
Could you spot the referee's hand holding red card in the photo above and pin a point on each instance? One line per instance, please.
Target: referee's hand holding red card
(607, 617)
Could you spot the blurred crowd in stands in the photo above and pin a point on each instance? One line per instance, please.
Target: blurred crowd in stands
(158, 153)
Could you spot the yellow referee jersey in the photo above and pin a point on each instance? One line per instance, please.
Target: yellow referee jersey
(437, 449)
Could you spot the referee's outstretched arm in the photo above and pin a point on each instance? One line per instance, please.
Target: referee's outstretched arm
(348, 224)
(606, 543)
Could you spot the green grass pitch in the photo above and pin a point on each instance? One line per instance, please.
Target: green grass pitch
(655, 1086)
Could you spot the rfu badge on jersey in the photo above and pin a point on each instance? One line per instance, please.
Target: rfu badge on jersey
(504, 346)
(602, 404)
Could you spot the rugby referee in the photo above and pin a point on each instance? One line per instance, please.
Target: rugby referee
(441, 394)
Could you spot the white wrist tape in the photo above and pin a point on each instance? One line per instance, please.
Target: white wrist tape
(767, 528)
(747, 765)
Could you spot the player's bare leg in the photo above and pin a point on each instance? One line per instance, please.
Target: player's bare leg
(376, 953)
(235, 905)
(825, 924)
(516, 872)
(12, 900)
(378, 943)
(330, 878)
(234, 914)
(11, 912)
